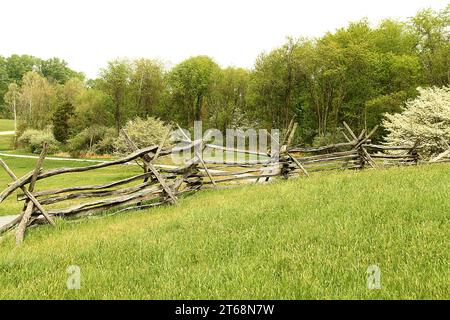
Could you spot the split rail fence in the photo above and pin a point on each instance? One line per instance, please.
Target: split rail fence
(157, 185)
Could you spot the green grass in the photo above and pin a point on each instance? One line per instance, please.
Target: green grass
(6, 142)
(21, 166)
(296, 239)
(6, 125)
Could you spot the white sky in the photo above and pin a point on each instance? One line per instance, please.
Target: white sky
(88, 33)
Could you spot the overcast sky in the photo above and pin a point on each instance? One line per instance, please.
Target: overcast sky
(88, 33)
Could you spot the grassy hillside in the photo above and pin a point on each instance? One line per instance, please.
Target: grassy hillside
(296, 239)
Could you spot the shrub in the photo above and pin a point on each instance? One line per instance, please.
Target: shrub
(143, 132)
(327, 139)
(425, 119)
(87, 141)
(106, 144)
(33, 140)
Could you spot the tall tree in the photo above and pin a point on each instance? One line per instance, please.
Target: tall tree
(37, 101)
(4, 81)
(115, 81)
(147, 84)
(228, 99)
(12, 101)
(190, 84)
(60, 120)
(432, 29)
(57, 70)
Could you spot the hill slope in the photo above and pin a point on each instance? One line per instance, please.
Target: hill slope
(296, 239)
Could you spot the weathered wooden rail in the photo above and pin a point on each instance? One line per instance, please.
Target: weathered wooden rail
(155, 186)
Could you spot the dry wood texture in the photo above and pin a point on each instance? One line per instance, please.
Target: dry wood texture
(157, 187)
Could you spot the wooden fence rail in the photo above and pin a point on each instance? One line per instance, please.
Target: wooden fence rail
(157, 186)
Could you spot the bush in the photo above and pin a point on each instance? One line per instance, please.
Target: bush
(106, 144)
(425, 119)
(33, 140)
(143, 132)
(94, 139)
(327, 139)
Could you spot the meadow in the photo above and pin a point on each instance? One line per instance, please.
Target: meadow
(296, 239)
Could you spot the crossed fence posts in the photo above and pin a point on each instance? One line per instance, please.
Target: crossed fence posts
(160, 185)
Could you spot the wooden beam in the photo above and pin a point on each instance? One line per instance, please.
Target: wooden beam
(284, 148)
(28, 205)
(199, 157)
(324, 148)
(369, 158)
(288, 131)
(299, 164)
(148, 165)
(291, 135)
(161, 145)
(52, 172)
(350, 130)
(38, 194)
(366, 137)
(28, 194)
(346, 137)
(11, 224)
(440, 156)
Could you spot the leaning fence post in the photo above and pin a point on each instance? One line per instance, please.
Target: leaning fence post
(27, 193)
(199, 157)
(149, 166)
(28, 205)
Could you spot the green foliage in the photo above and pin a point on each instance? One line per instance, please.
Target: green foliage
(191, 83)
(94, 139)
(37, 101)
(33, 140)
(377, 107)
(354, 74)
(61, 128)
(433, 46)
(107, 144)
(14, 68)
(227, 104)
(92, 107)
(56, 70)
(146, 86)
(115, 80)
(143, 132)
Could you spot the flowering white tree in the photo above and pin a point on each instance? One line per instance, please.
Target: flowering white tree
(425, 119)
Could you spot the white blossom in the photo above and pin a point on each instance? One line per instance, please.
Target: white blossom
(425, 120)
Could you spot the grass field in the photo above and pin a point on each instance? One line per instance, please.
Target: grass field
(6, 142)
(6, 125)
(21, 166)
(296, 239)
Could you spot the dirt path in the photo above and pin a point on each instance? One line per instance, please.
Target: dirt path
(102, 161)
(50, 158)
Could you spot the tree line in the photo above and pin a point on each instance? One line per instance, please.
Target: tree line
(355, 74)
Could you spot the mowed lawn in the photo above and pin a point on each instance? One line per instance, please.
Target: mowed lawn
(6, 125)
(21, 166)
(6, 142)
(297, 239)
